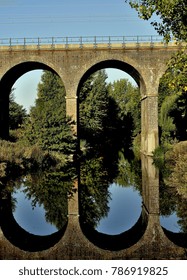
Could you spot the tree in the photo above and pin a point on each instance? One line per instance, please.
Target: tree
(172, 21)
(93, 106)
(173, 101)
(17, 113)
(48, 126)
(172, 16)
(127, 98)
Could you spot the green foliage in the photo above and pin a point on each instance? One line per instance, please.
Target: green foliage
(17, 159)
(136, 146)
(17, 114)
(51, 190)
(93, 106)
(166, 122)
(129, 172)
(127, 98)
(172, 16)
(48, 126)
(94, 194)
(159, 157)
(176, 162)
(173, 101)
(110, 114)
(176, 74)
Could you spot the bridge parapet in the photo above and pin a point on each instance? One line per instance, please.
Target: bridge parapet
(90, 42)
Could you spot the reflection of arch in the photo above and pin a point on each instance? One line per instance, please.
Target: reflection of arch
(6, 83)
(115, 242)
(21, 238)
(180, 239)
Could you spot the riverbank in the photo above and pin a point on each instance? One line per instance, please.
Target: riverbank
(16, 159)
(172, 163)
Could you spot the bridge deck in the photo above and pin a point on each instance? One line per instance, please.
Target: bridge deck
(113, 46)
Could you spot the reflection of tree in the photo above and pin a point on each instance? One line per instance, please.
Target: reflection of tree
(172, 187)
(129, 172)
(167, 200)
(96, 174)
(182, 214)
(94, 193)
(171, 202)
(50, 190)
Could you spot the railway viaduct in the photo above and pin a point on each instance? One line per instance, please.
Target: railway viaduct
(74, 61)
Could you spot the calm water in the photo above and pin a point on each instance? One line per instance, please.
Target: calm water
(124, 210)
(30, 218)
(111, 204)
(170, 222)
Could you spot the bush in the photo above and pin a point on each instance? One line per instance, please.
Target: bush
(15, 157)
(176, 162)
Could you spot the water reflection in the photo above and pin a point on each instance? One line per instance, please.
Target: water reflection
(31, 218)
(173, 210)
(170, 222)
(124, 210)
(110, 202)
(42, 198)
(34, 208)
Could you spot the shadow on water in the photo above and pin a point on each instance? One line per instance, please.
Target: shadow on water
(20, 237)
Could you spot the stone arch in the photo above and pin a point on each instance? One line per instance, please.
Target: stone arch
(113, 63)
(6, 83)
(130, 237)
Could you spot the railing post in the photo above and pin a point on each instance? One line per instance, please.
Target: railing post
(10, 43)
(38, 45)
(123, 44)
(24, 43)
(152, 43)
(52, 43)
(95, 42)
(66, 42)
(109, 42)
(81, 44)
(137, 42)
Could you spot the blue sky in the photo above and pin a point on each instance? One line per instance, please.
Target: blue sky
(34, 18)
(59, 18)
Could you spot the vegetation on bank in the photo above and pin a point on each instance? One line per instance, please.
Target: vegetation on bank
(171, 156)
(16, 159)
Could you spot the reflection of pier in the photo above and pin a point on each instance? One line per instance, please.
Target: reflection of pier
(145, 240)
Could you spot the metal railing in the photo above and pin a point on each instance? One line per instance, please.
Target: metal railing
(81, 41)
